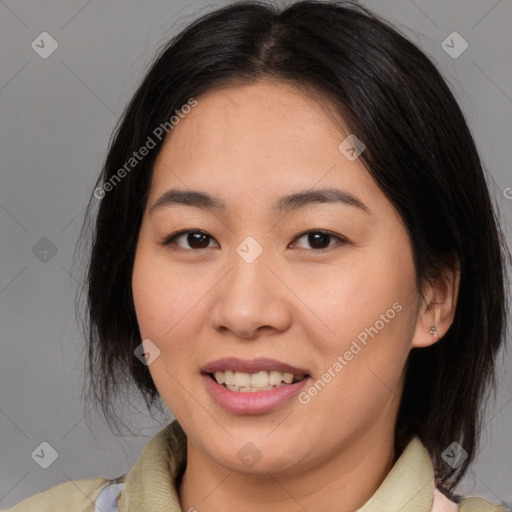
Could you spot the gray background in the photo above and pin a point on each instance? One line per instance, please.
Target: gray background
(57, 115)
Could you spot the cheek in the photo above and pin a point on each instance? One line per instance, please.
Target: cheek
(366, 297)
(361, 370)
(370, 311)
(166, 311)
(165, 315)
(162, 293)
(169, 300)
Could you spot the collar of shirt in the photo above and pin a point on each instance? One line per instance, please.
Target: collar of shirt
(150, 484)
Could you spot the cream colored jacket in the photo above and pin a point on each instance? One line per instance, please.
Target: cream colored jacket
(408, 487)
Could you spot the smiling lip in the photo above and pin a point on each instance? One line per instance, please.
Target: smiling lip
(256, 402)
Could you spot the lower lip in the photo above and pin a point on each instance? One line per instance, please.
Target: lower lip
(256, 402)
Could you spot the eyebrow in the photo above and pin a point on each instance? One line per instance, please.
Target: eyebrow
(289, 202)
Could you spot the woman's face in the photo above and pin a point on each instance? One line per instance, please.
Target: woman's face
(254, 299)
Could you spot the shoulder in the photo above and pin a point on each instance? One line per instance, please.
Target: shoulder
(77, 495)
(480, 505)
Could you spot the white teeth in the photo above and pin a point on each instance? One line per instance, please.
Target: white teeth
(274, 378)
(242, 379)
(288, 378)
(229, 378)
(260, 381)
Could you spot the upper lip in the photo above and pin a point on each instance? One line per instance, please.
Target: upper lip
(252, 366)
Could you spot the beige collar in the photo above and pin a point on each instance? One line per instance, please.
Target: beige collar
(150, 484)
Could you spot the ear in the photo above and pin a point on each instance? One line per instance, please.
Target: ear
(438, 305)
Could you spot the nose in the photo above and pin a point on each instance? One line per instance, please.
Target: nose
(251, 299)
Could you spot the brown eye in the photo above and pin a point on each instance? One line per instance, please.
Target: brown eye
(320, 240)
(194, 239)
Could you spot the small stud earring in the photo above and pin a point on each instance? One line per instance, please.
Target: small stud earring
(433, 331)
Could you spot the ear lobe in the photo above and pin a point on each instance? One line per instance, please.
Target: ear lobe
(437, 310)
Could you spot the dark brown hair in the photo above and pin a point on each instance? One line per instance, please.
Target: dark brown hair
(419, 150)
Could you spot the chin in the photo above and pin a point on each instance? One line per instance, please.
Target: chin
(258, 457)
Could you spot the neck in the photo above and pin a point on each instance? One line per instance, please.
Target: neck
(347, 478)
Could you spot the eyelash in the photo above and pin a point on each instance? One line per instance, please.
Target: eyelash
(169, 241)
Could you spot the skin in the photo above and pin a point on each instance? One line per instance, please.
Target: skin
(248, 145)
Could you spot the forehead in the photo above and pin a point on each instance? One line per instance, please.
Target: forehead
(250, 141)
(267, 98)
(269, 119)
